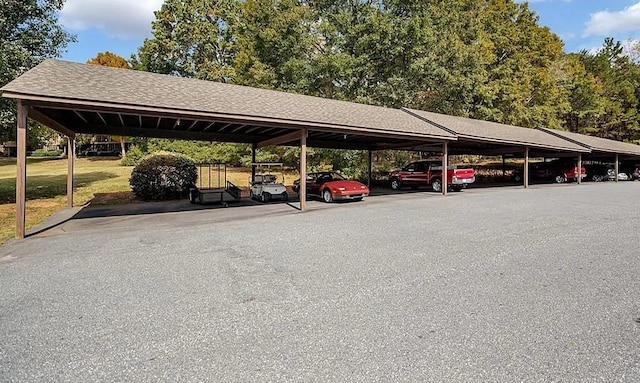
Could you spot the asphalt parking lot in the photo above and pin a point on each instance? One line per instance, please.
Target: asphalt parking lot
(487, 285)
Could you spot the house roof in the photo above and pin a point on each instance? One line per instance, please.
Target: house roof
(596, 144)
(467, 129)
(134, 94)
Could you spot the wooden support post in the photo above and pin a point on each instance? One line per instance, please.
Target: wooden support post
(21, 166)
(445, 167)
(526, 167)
(617, 167)
(254, 147)
(504, 168)
(370, 167)
(579, 172)
(71, 158)
(303, 170)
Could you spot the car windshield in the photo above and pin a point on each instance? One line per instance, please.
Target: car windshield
(328, 176)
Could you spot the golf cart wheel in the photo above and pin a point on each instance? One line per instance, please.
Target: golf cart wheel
(327, 196)
(266, 197)
(285, 196)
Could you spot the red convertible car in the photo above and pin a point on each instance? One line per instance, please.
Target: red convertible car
(331, 186)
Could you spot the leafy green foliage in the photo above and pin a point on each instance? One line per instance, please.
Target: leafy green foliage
(46, 153)
(190, 39)
(133, 156)
(163, 176)
(29, 34)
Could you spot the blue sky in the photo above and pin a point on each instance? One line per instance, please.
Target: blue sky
(120, 26)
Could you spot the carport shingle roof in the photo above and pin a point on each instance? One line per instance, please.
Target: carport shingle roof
(71, 82)
(467, 128)
(596, 143)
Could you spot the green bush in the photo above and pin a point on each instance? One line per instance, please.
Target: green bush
(133, 157)
(163, 176)
(46, 153)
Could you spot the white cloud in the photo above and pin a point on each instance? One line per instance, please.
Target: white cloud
(117, 18)
(605, 23)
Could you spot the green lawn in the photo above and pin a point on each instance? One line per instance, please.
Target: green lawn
(101, 181)
(98, 180)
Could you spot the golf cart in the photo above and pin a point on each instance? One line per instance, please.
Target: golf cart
(265, 186)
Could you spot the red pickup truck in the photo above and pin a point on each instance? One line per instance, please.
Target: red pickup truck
(429, 172)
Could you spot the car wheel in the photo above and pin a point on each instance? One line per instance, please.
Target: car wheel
(285, 196)
(265, 197)
(395, 184)
(560, 179)
(596, 178)
(327, 196)
(436, 185)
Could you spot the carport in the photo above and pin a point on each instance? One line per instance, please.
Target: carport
(601, 148)
(493, 139)
(76, 98)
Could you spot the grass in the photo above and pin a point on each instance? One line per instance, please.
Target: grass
(96, 180)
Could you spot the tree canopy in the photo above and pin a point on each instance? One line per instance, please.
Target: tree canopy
(485, 59)
(29, 34)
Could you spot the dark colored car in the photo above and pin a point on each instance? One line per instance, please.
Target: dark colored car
(558, 171)
(331, 186)
(598, 172)
(633, 170)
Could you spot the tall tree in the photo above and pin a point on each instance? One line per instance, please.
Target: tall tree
(112, 60)
(274, 44)
(191, 38)
(29, 34)
(620, 81)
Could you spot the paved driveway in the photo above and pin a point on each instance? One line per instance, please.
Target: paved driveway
(487, 285)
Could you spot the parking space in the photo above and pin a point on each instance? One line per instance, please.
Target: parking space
(541, 286)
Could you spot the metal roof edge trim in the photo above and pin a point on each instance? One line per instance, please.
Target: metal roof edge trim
(413, 114)
(298, 123)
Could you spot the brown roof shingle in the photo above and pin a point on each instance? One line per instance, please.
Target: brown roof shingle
(467, 128)
(72, 81)
(596, 143)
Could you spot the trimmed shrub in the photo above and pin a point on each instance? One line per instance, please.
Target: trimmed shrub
(163, 176)
(46, 153)
(133, 157)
